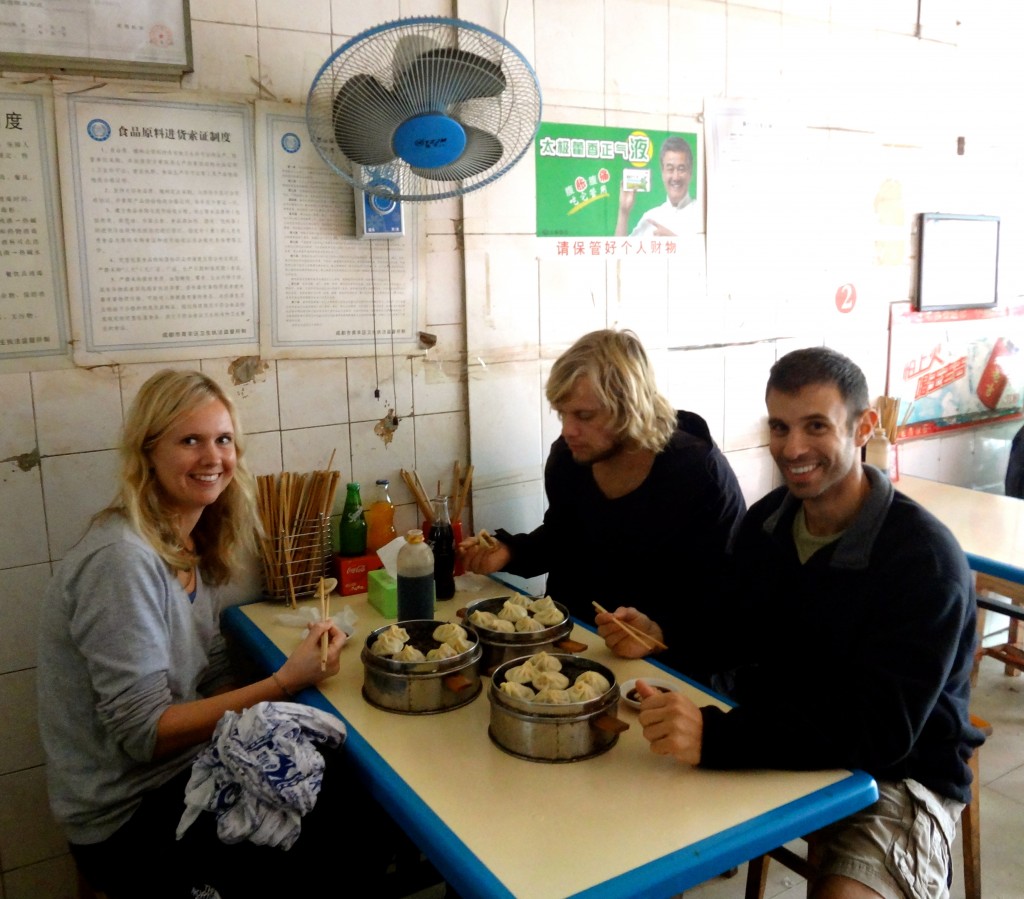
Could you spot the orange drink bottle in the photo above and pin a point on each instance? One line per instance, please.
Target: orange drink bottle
(381, 518)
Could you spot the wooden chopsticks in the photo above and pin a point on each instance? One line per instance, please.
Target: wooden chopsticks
(642, 638)
(457, 499)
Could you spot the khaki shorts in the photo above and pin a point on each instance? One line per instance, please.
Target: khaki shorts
(899, 847)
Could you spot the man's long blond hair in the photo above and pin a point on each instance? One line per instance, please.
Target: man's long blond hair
(618, 369)
(228, 525)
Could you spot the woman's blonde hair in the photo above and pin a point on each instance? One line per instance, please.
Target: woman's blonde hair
(227, 526)
(617, 367)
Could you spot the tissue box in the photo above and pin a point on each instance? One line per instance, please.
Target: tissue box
(383, 592)
(352, 572)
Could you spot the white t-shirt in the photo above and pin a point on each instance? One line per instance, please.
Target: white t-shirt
(677, 219)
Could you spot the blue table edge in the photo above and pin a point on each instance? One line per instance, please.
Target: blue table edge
(659, 878)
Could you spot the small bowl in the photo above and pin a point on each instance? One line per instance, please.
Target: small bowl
(628, 689)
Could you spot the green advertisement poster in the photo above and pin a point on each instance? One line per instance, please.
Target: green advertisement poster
(595, 181)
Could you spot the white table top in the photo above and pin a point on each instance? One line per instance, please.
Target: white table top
(989, 527)
(624, 823)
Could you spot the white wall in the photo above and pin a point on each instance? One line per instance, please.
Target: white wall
(609, 62)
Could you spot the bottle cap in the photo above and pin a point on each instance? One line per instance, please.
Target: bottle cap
(415, 535)
(383, 482)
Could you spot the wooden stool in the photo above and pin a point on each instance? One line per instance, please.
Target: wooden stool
(1010, 653)
(970, 830)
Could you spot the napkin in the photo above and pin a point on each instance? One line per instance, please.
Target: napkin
(345, 619)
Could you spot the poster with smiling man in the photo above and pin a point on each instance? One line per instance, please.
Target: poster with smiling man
(626, 183)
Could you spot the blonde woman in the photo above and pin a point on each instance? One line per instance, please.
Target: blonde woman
(133, 671)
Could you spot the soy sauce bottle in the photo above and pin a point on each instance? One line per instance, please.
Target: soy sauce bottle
(415, 579)
(442, 542)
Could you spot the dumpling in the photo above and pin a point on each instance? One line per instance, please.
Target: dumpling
(551, 695)
(511, 612)
(460, 644)
(444, 651)
(541, 661)
(520, 674)
(581, 691)
(386, 645)
(539, 605)
(483, 619)
(399, 633)
(549, 617)
(519, 691)
(444, 633)
(554, 680)
(520, 599)
(528, 624)
(502, 626)
(409, 653)
(597, 680)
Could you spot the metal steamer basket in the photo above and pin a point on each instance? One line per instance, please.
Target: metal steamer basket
(546, 732)
(420, 688)
(500, 647)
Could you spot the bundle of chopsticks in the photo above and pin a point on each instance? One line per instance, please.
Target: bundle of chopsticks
(459, 491)
(295, 510)
(889, 416)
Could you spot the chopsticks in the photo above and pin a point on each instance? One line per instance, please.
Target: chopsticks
(323, 590)
(642, 638)
(888, 413)
(460, 491)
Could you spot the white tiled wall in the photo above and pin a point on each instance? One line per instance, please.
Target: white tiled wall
(499, 312)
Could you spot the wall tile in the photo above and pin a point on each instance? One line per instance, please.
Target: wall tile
(313, 392)
(77, 410)
(225, 58)
(252, 384)
(696, 381)
(21, 596)
(76, 487)
(263, 453)
(312, 15)
(17, 423)
(573, 300)
(756, 471)
(20, 747)
(228, 12)
(348, 18)
(366, 374)
(632, 82)
(570, 52)
(746, 371)
(445, 279)
(441, 440)
(638, 299)
(22, 536)
(135, 375)
(372, 459)
(754, 58)
(28, 833)
(697, 53)
(439, 374)
(289, 60)
(505, 401)
(311, 449)
(501, 299)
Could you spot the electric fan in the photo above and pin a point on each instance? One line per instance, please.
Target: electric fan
(423, 108)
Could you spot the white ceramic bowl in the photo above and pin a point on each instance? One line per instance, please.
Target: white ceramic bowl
(627, 689)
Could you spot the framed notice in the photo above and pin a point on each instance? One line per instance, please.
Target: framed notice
(957, 261)
(145, 38)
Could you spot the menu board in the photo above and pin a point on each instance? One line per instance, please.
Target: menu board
(33, 295)
(160, 208)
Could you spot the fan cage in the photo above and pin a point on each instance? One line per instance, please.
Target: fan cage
(383, 52)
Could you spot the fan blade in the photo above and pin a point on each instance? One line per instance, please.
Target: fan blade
(437, 80)
(483, 150)
(364, 115)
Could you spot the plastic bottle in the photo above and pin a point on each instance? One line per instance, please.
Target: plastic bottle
(352, 528)
(442, 542)
(877, 452)
(415, 579)
(380, 528)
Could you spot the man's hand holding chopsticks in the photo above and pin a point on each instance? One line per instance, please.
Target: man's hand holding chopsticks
(483, 555)
(628, 632)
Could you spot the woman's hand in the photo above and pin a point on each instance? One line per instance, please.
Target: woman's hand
(302, 669)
